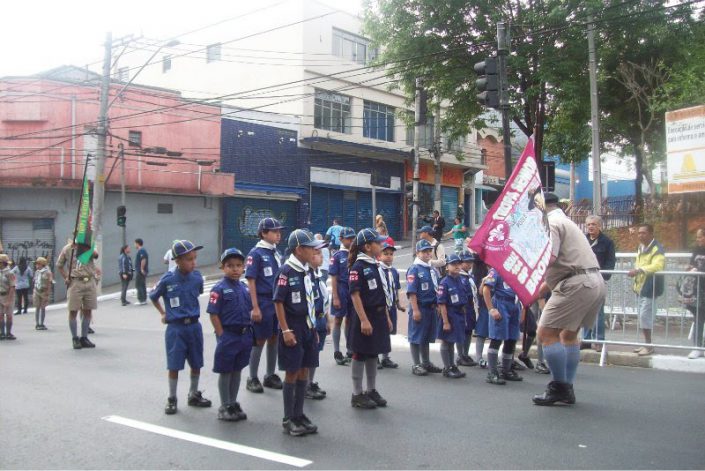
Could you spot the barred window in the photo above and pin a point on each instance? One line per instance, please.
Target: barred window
(378, 121)
(332, 112)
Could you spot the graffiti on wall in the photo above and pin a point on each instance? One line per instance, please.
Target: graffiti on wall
(249, 220)
(29, 249)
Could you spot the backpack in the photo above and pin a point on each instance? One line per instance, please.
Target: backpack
(687, 288)
(441, 270)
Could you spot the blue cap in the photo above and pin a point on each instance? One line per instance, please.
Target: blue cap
(468, 256)
(387, 245)
(182, 247)
(230, 253)
(423, 244)
(269, 224)
(347, 233)
(452, 258)
(368, 235)
(428, 229)
(303, 237)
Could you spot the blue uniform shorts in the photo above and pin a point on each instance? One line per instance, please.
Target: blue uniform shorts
(302, 355)
(232, 351)
(322, 329)
(507, 328)
(482, 328)
(423, 331)
(184, 342)
(393, 316)
(346, 305)
(269, 325)
(457, 327)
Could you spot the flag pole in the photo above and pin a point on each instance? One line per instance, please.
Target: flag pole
(78, 214)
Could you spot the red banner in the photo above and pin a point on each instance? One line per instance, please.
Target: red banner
(515, 238)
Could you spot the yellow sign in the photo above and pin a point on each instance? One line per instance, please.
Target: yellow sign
(685, 147)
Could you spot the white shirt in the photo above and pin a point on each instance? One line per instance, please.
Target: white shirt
(167, 259)
(326, 259)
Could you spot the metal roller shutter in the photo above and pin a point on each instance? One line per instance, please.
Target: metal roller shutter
(449, 205)
(364, 210)
(241, 217)
(388, 207)
(29, 238)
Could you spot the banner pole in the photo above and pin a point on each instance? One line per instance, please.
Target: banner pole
(78, 214)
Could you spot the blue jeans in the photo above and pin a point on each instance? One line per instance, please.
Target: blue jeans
(589, 334)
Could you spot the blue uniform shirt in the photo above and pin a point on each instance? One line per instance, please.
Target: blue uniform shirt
(365, 279)
(419, 281)
(262, 266)
(339, 269)
(291, 291)
(453, 293)
(497, 284)
(180, 292)
(230, 301)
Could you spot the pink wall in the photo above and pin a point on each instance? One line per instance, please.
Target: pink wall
(44, 158)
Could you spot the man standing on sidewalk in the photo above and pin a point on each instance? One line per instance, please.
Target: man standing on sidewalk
(141, 271)
(603, 248)
(650, 258)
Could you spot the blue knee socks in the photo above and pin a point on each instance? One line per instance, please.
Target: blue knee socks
(555, 356)
(572, 354)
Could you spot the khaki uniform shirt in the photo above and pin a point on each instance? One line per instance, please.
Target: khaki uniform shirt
(439, 255)
(7, 280)
(570, 248)
(78, 269)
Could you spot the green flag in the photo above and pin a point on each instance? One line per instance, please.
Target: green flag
(85, 245)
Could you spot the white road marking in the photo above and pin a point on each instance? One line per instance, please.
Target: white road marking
(212, 442)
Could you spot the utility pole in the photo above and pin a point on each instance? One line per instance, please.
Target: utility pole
(437, 153)
(502, 53)
(121, 156)
(595, 119)
(99, 184)
(572, 183)
(417, 145)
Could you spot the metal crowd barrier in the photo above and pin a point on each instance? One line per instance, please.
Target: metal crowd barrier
(674, 325)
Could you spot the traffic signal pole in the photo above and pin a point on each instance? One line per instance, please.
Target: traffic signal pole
(502, 53)
(417, 145)
(121, 156)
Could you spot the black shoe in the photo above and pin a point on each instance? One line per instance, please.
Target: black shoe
(388, 363)
(362, 401)
(511, 376)
(91, 331)
(377, 398)
(38, 327)
(431, 368)
(348, 359)
(466, 361)
(570, 396)
(2, 336)
(419, 370)
(556, 391)
(43, 327)
(10, 337)
(197, 400)
(77, 343)
(293, 427)
(493, 377)
(516, 366)
(339, 359)
(170, 408)
(317, 388)
(451, 373)
(85, 343)
(273, 382)
(457, 371)
(253, 385)
(236, 412)
(24, 312)
(524, 358)
(307, 424)
(125, 303)
(313, 394)
(541, 368)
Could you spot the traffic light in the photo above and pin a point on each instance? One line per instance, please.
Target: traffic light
(121, 216)
(488, 83)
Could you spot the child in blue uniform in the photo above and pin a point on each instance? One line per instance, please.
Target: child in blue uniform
(482, 328)
(298, 341)
(421, 287)
(385, 261)
(230, 309)
(467, 260)
(341, 307)
(370, 324)
(452, 303)
(504, 312)
(263, 263)
(184, 336)
(320, 297)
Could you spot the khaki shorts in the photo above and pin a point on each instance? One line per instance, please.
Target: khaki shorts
(82, 295)
(575, 302)
(38, 300)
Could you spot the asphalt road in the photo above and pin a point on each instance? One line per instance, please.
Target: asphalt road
(55, 402)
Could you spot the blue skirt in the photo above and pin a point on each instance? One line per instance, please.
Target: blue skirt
(379, 341)
(482, 328)
(507, 328)
(456, 334)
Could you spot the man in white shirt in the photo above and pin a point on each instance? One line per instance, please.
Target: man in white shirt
(168, 260)
(439, 252)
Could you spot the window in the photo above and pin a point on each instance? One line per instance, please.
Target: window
(166, 63)
(213, 52)
(123, 74)
(455, 145)
(134, 138)
(352, 47)
(332, 112)
(165, 208)
(378, 121)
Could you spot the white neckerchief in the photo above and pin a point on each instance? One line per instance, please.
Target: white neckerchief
(390, 279)
(434, 273)
(473, 288)
(383, 276)
(296, 264)
(263, 244)
(324, 289)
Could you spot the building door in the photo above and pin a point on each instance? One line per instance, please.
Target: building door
(241, 216)
(449, 204)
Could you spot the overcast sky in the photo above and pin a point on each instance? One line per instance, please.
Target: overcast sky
(37, 35)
